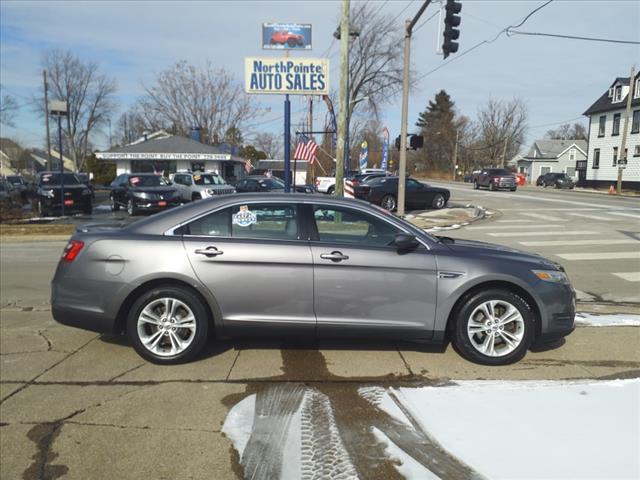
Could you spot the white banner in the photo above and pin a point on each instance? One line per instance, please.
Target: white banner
(162, 156)
(300, 76)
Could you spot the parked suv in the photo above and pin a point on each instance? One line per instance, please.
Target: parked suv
(49, 197)
(193, 186)
(139, 192)
(557, 180)
(495, 179)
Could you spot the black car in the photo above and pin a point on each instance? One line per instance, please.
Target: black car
(557, 180)
(261, 183)
(17, 184)
(84, 178)
(495, 179)
(383, 191)
(142, 192)
(48, 197)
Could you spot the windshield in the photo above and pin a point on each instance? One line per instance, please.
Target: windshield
(499, 171)
(54, 179)
(15, 180)
(272, 183)
(208, 179)
(148, 181)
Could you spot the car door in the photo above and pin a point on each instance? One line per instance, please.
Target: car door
(362, 284)
(252, 259)
(119, 191)
(416, 194)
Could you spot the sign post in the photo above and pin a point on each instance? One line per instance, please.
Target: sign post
(287, 144)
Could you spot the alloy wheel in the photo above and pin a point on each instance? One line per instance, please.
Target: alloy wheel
(389, 203)
(166, 326)
(495, 328)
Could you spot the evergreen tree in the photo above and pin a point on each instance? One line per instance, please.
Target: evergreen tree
(438, 125)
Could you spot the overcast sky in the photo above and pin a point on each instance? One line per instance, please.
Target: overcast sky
(132, 41)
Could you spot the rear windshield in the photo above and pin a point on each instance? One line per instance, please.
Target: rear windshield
(208, 179)
(54, 179)
(15, 180)
(148, 181)
(499, 171)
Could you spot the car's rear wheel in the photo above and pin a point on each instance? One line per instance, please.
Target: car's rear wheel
(87, 209)
(438, 201)
(196, 196)
(114, 205)
(168, 325)
(475, 185)
(388, 203)
(330, 190)
(494, 327)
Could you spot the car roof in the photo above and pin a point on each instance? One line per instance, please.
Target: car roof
(161, 222)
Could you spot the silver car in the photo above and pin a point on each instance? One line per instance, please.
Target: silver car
(193, 186)
(309, 266)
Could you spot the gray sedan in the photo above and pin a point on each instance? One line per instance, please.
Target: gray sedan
(309, 266)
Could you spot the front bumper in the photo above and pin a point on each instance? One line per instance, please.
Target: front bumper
(557, 304)
(155, 205)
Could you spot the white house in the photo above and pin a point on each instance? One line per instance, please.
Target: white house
(606, 124)
(546, 156)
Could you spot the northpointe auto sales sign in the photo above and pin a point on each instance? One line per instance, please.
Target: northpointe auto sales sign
(302, 76)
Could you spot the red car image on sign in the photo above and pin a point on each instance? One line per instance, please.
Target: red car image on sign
(292, 39)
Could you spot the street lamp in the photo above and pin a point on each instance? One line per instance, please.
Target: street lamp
(58, 109)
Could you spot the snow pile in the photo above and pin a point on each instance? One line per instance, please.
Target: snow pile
(608, 320)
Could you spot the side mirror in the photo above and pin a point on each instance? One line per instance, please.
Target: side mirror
(406, 242)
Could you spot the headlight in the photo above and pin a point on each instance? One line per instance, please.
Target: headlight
(551, 276)
(210, 191)
(140, 194)
(48, 193)
(86, 191)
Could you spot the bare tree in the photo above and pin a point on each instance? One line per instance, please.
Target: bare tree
(375, 62)
(577, 131)
(502, 127)
(89, 97)
(184, 96)
(269, 143)
(8, 109)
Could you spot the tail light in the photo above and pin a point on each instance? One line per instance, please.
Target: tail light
(317, 183)
(72, 250)
(355, 182)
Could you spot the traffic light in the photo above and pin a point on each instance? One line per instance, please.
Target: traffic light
(451, 32)
(416, 142)
(398, 142)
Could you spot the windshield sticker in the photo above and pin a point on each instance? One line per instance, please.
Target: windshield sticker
(197, 177)
(46, 178)
(134, 180)
(244, 217)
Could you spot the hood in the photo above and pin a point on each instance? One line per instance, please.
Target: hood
(491, 249)
(66, 187)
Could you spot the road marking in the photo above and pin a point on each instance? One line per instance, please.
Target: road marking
(564, 243)
(594, 217)
(514, 221)
(599, 255)
(632, 215)
(542, 234)
(629, 276)
(542, 217)
(503, 227)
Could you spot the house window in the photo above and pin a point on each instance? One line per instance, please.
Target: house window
(572, 155)
(636, 151)
(637, 88)
(596, 158)
(617, 96)
(615, 156)
(616, 124)
(603, 121)
(635, 123)
(545, 170)
(571, 171)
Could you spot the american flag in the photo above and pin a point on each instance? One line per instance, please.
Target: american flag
(248, 166)
(306, 150)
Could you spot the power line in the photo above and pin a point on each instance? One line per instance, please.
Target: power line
(402, 11)
(556, 123)
(425, 21)
(571, 37)
(484, 42)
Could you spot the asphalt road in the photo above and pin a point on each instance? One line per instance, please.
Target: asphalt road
(595, 237)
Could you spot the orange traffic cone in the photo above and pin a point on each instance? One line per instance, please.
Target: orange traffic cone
(612, 191)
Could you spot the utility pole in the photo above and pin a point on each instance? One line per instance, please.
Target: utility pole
(343, 103)
(455, 156)
(504, 151)
(312, 179)
(625, 130)
(46, 119)
(402, 174)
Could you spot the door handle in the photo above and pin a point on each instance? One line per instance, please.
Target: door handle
(209, 252)
(334, 256)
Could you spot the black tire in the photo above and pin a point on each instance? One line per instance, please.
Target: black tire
(114, 205)
(42, 212)
(330, 190)
(131, 208)
(196, 196)
(389, 203)
(514, 189)
(544, 184)
(492, 186)
(87, 209)
(460, 336)
(202, 324)
(475, 185)
(438, 201)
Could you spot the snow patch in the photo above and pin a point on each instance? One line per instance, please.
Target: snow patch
(239, 423)
(405, 464)
(607, 320)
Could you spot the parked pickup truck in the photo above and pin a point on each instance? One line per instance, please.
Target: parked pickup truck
(328, 184)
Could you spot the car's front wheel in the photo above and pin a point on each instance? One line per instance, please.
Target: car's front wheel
(114, 205)
(494, 327)
(475, 185)
(168, 325)
(42, 211)
(131, 208)
(388, 203)
(438, 201)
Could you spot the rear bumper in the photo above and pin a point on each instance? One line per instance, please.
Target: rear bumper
(85, 319)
